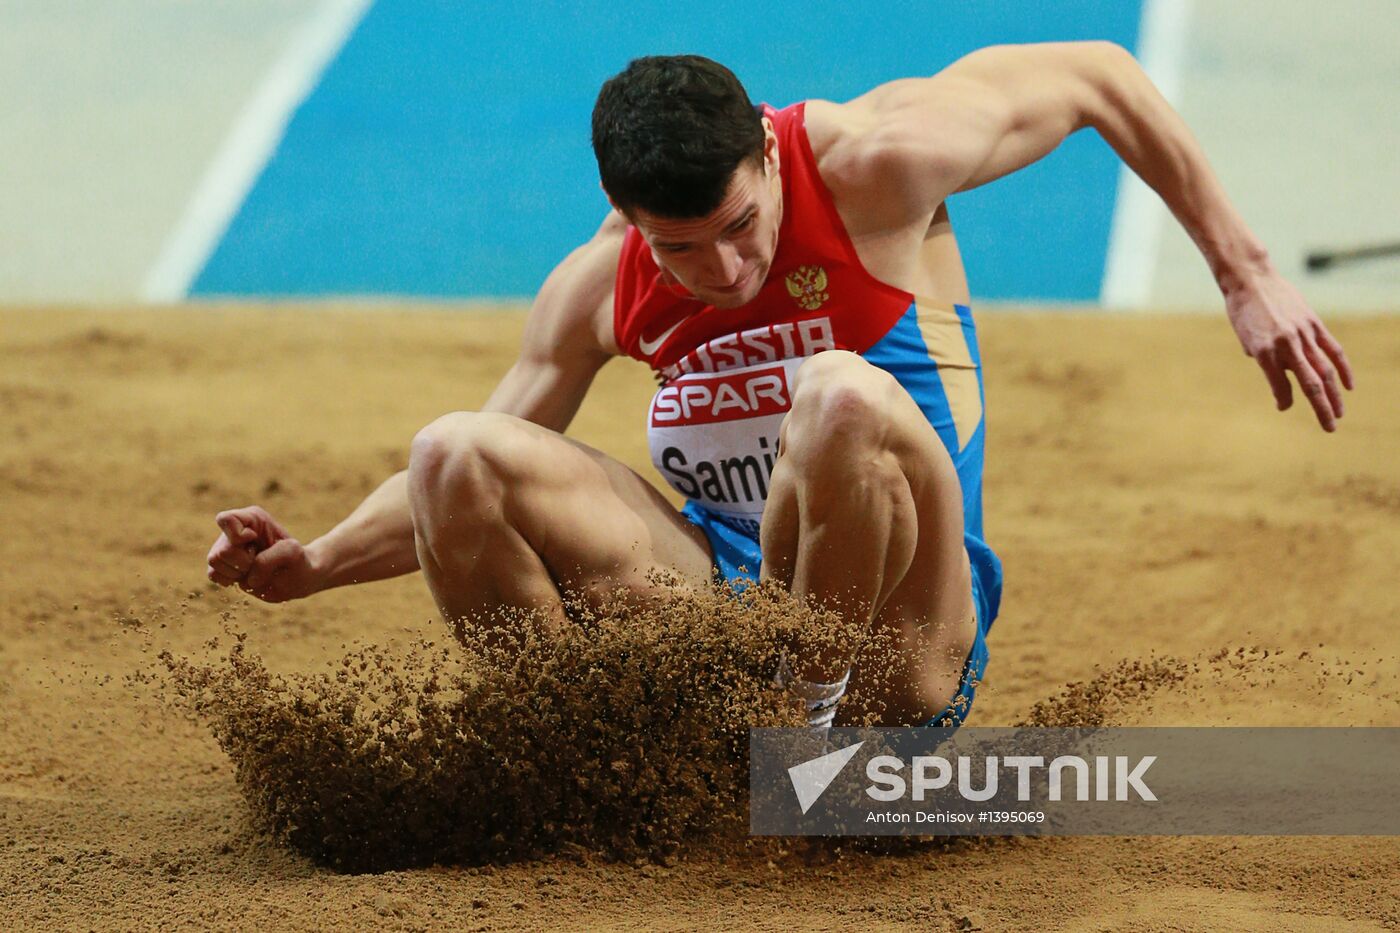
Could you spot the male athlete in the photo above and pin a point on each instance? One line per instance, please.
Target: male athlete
(792, 278)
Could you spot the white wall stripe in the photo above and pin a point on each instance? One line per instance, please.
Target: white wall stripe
(1138, 213)
(254, 138)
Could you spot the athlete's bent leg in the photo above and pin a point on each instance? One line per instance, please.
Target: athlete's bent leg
(508, 514)
(864, 515)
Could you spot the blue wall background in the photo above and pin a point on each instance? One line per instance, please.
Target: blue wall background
(445, 152)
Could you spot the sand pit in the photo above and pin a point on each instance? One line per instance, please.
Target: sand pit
(1176, 552)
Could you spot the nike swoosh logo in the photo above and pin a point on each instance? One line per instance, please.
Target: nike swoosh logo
(648, 347)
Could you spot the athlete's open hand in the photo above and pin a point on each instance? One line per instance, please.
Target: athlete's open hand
(259, 556)
(1277, 328)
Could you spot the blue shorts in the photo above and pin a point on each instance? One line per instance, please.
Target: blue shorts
(738, 560)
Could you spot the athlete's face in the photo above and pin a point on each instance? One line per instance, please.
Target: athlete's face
(723, 258)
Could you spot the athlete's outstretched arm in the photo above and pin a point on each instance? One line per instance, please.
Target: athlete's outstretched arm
(1002, 108)
(567, 340)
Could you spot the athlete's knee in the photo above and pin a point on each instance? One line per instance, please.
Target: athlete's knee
(839, 403)
(463, 463)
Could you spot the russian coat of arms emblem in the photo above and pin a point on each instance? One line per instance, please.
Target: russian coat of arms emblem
(807, 285)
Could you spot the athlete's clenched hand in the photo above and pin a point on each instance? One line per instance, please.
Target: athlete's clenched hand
(257, 554)
(1278, 329)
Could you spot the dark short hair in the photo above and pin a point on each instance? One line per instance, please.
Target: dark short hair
(668, 133)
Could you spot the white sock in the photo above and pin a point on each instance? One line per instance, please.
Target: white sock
(820, 699)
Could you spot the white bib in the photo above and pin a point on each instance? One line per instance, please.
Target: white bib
(714, 436)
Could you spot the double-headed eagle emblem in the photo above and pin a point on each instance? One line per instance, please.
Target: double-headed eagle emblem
(807, 285)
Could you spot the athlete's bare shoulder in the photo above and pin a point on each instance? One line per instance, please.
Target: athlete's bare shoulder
(917, 140)
(902, 236)
(862, 159)
(833, 127)
(573, 312)
(612, 230)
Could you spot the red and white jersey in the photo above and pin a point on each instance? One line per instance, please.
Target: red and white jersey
(726, 374)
